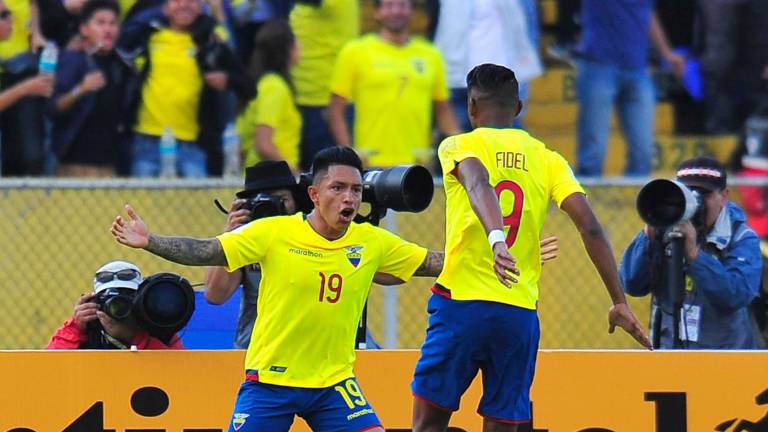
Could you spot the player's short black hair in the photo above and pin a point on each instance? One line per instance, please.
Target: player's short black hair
(335, 156)
(495, 84)
(93, 6)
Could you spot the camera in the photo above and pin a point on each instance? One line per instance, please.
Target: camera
(404, 188)
(264, 205)
(115, 302)
(162, 305)
(663, 203)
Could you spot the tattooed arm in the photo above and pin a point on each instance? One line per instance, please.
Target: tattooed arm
(188, 251)
(432, 265)
(182, 250)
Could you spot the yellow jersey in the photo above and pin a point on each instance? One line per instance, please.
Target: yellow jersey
(170, 97)
(393, 88)
(312, 294)
(273, 106)
(21, 15)
(526, 176)
(321, 32)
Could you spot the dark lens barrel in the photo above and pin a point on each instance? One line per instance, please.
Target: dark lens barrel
(165, 303)
(406, 188)
(661, 203)
(118, 307)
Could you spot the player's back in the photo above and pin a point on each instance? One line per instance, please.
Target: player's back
(525, 175)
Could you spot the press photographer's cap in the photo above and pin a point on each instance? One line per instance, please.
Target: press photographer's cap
(704, 172)
(116, 274)
(267, 175)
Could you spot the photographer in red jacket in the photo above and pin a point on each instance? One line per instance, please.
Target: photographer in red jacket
(102, 319)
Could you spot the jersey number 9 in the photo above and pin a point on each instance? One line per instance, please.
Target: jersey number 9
(512, 220)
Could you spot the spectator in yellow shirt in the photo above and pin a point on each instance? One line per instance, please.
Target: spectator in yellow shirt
(322, 28)
(270, 125)
(394, 80)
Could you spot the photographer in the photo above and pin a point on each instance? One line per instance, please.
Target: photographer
(722, 268)
(91, 328)
(275, 179)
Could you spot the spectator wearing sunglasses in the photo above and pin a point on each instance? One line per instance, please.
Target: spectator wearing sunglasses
(722, 266)
(91, 328)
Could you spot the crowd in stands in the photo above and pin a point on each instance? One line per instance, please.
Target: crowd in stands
(197, 88)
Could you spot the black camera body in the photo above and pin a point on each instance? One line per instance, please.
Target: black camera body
(264, 205)
(115, 302)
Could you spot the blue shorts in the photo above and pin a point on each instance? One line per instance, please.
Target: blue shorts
(271, 408)
(463, 336)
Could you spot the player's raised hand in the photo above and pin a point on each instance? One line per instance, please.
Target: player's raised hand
(504, 265)
(133, 232)
(549, 249)
(620, 315)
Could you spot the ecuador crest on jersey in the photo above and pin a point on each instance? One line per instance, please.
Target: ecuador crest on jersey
(353, 255)
(239, 420)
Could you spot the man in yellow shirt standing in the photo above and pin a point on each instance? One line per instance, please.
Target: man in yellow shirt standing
(395, 80)
(186, 70)
(317, 271)
(322, 27)
(498, 184)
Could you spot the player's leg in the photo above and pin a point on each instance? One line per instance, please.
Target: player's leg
(428, 417)
(509, 368)
(340, 408)
(263, 408)
(448, 363)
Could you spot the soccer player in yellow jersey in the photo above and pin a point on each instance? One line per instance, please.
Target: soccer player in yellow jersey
(498, 184)
(394, 80)
(316, 274)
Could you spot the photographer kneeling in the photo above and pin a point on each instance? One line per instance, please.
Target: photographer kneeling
(722, 267)
(92, 328)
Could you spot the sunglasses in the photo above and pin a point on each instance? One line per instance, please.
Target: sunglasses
(5, 14)
(123, 275)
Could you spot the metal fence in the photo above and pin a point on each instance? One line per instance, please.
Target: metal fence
(55, 233)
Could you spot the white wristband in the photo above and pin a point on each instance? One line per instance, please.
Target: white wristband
(496, 236)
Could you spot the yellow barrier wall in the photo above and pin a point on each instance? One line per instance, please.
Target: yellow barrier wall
(573, 391)
(55, 238)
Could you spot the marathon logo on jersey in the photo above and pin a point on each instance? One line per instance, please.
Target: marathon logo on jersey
(239, 420)
(305, 252)
(353, 255)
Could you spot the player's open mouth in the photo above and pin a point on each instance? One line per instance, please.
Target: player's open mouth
(347, 214)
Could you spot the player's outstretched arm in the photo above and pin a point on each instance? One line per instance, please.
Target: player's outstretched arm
(182, 250)
(474, 177)
(601, 254)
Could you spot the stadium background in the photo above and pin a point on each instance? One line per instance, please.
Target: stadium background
(55, 232)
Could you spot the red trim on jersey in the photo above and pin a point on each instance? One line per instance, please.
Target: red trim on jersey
(252, 376)
(429, 402)
(441, 291)
(371, 428)
(498, 420)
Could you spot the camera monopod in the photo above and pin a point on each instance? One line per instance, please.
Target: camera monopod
(662, 204)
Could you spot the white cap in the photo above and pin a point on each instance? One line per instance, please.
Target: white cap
(116, 266)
